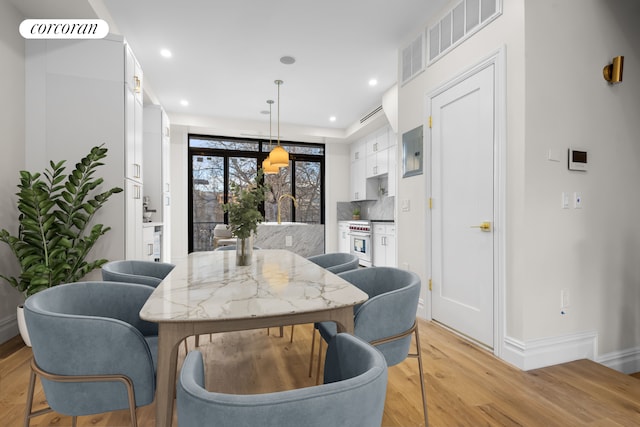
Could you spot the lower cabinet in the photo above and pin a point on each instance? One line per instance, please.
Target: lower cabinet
(344, 244)
(152, 242)
(384, 245)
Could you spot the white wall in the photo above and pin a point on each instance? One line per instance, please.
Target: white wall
(591, 252)
(556, 98)
(12, 104)
(337, 178)
(507, 31)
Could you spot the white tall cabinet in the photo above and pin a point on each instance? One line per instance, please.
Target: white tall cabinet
(84, 93)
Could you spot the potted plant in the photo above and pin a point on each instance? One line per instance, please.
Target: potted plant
(55, 234)
(244, 215)
(356, 213)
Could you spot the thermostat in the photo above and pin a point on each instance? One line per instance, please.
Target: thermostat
(577, 159)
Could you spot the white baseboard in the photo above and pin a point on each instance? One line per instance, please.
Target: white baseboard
(8, 327)
(539, 353)
(625, 361)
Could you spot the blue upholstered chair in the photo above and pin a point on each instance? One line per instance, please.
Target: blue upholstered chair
(353, 394)
(336, 262)
(136, 271)
(91, 350)
(387, 319)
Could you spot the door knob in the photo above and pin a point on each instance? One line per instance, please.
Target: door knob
(484, 226)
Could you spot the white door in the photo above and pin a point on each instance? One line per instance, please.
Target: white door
(462, 215)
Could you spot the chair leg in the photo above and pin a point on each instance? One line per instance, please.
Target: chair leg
(291, 339)
(74, 421)
(421, 373)
(313, 344)
(319, 360)
(28, 414)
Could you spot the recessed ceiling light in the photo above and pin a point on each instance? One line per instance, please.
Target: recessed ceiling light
(332, 118)
(288, 60)
(166, 53)
(184, 102)
(373, 82)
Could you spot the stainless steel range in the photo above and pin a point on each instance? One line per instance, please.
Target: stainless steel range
(360, 241)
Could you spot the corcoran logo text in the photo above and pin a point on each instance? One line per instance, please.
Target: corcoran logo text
(64, 28)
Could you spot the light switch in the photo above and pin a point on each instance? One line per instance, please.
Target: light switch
(553, 155)
(565, 201)
(577, 200)
(406, 205)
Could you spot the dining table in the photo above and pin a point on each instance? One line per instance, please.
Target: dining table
(207, 292)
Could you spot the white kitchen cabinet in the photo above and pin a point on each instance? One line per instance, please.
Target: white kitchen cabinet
(152, 241)
(157, 183)
(384, 245)
(361, 188)
(344, 240)
(147, 242)
(77, 98)
(377, 163)
(377, 152)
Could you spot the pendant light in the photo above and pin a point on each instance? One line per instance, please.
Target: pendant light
(267, 167)
(279, 156)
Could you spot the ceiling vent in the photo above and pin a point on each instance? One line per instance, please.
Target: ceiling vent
(371, 114)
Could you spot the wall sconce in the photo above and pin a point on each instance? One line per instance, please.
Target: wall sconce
(613, 72)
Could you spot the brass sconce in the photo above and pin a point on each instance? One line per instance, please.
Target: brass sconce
(613, 72)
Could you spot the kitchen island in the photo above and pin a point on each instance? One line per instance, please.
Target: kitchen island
(298, 237)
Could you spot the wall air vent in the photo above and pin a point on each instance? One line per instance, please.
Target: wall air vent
(412, 59)
(369, 115)
(458, 24)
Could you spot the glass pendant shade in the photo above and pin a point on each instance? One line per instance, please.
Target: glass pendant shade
(268, 168)
(279, 157)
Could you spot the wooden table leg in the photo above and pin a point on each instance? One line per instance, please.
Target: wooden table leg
(169, 339)
(344, 319)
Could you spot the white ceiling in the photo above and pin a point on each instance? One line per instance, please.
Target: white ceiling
(226, 52)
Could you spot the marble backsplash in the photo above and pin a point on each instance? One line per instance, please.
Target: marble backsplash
(381, 209)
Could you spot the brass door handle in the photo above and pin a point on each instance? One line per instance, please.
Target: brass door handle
(484, 226)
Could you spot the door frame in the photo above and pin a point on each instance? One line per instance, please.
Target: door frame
(498, 60)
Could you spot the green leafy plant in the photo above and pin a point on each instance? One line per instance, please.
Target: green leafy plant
(54, 237)
(244, 215)
(356, 211)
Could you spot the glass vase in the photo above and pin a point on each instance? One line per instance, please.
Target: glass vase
(244, 250)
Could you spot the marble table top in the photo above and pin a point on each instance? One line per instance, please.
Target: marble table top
(210, 286)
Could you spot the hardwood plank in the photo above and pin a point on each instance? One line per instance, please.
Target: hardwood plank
(466, 385)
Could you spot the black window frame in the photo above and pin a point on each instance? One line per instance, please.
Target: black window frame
(259, 155)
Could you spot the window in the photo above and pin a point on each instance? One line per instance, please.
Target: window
(216, 162)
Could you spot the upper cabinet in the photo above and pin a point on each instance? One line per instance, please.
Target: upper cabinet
(134, 120)
(373, 165)
(378, 153)
(361, 189)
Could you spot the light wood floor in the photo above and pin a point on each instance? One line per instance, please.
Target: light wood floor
(466, 385)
